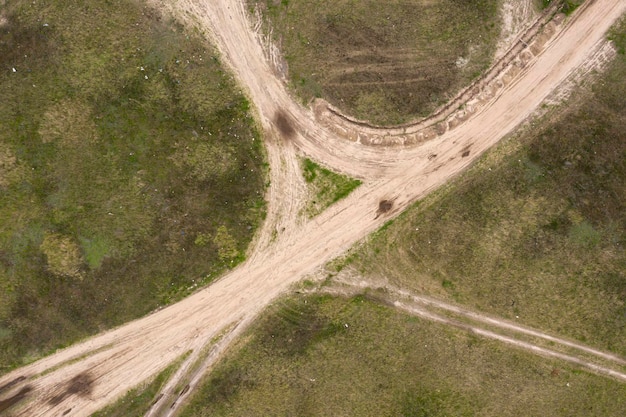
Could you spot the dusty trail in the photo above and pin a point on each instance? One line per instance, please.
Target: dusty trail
(350, 282)
(85, 377)
(425, 313)
(422, 308)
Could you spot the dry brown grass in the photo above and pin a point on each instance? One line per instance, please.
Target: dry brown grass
(386, 62)
(62, 255)
(70, 122)
(10, 169)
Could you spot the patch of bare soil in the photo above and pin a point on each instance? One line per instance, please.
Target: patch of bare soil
(603, 53)
(120, 359)
(517, 16)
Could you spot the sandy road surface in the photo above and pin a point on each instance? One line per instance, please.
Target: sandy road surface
(89, 375)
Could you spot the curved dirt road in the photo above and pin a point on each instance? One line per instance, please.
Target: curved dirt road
(85, 377)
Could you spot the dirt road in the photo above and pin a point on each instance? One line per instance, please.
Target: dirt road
(85, 377)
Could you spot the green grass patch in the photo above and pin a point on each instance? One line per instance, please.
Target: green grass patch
(386, 62)
(95, 251)
(323, 356)
(618, 36)
(570, 5)
(325, 187)
(535, 231)
(122, 140)
(567, 6)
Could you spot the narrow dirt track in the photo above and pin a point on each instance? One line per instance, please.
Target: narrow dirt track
(87, 376)
(350, 283)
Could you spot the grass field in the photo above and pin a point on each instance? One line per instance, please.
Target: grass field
(323, 356)
(535, 231)
(131, 171)
(325, 187)
(386, 62)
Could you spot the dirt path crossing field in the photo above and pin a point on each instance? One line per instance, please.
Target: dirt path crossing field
(87, 376)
